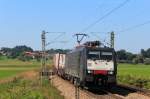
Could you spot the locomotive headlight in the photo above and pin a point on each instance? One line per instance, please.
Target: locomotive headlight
(110, 72)
(90, 71)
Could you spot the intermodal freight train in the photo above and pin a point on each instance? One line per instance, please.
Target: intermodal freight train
(88, 64)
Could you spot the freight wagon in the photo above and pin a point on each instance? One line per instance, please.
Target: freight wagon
(59, 63)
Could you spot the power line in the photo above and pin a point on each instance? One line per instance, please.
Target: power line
(129, 28)
(97, 36)
(63, 33)
(55, 32)
(107, 14)
(135, 26)
(54, 40)
(99, 32)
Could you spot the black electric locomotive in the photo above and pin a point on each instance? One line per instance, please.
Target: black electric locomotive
(91, 64)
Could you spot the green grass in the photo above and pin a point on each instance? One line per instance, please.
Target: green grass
(138, 75)
(11, 67)
(28, 89)
(9, 73)
(138, 70)
(6, 72)
(8, 62)
(21, 88)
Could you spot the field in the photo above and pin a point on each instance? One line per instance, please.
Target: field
(11, 67)
(18, 81)
(138, 75)
(28, 87)
(138, 70)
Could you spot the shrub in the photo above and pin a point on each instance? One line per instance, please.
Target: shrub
(135, 61)
(147, 61)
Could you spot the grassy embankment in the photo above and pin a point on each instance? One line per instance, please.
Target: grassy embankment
(28, 89)
(138, 75)
(23, 88)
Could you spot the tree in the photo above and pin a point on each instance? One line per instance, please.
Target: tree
(138, 59)
(6, 50)
(143, 53)
(148, 53)
(147, 61)
(130, 56)
(121, 54)
(18, 50)
(135, 61)
(125, 57)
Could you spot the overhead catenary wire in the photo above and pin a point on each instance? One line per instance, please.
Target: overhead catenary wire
(54, 40)
(127, 29)
(95, 35)
(62, 34)
(98, 37)
(58, 39)
(134, 27)
(55, 32)
(107, 14)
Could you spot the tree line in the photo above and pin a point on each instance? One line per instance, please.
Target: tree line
(127, 57)
(123, 56)
(18, 52)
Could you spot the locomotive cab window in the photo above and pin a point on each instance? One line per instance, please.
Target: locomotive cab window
(106, 56)
(94, 55)
(100, 55)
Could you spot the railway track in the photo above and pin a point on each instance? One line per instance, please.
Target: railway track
(114, 95)
(138, 90)
(102, 93)
(118, 92)
(97, 93)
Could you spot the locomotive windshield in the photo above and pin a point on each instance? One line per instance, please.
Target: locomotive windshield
(99, 55)
(94, 55)
(106, 55)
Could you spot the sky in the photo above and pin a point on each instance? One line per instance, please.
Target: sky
(22, 21)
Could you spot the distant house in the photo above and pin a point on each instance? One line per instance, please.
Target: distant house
(33, 54)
